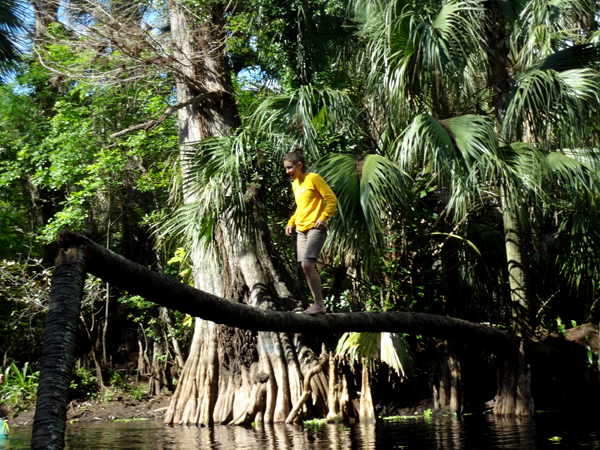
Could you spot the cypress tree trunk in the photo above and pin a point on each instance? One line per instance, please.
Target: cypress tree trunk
(60, 342)
(216, 383)
(514, 385)
(446, 380)
(367, 410)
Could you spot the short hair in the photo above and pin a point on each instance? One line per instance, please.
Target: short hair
(295, 157)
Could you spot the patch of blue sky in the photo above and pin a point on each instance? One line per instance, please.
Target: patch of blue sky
(254, 78)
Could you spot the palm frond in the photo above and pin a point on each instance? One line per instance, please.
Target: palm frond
(414, 51)
(570, 171)
(578, 258)
(575, 57)
(367, 348)
(12, 27)
(545, 26)
(550, 180)
(511, 9)
(555, 14)
(302, 117)
(215, 181)
(394, 352)
(547, 101)
(590, 157)
(383, 191)
(460, 238)
(358, 347)
(457, 152)
(372, 193)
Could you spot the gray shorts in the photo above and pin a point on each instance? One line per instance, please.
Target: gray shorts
(310, 243)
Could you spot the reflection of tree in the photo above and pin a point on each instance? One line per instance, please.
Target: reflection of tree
(285, 437)
(449, 432)
(364, 433)
(418, 432)
(518, 433)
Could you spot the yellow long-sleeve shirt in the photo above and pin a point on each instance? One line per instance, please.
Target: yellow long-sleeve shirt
(314, 200)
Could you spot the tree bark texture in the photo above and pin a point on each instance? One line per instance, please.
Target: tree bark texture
(157, 381)
(498, 58)
(227, 361)
(200, 70)
(338, 398)
(60, 342)
(367, 410)
(517, 270)
(307, 392)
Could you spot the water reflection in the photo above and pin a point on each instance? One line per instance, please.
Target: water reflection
(472, 433)
(512, 433)
(448, 432)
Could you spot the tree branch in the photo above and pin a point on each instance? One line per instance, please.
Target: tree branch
(151, 124)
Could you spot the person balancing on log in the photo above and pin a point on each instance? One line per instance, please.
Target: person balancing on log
(315, 203)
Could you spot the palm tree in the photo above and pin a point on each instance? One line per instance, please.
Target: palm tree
(12, 13)
(432, 60)
(58, 357)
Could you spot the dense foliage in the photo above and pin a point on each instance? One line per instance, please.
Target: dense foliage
(442, 126)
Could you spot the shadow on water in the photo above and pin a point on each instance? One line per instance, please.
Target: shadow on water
(544, 431)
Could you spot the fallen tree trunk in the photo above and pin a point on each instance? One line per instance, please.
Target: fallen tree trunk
(165, 291)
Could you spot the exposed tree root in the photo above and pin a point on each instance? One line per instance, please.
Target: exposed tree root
(306, 394)
(367, 410)
(338, 398)
(256, 402)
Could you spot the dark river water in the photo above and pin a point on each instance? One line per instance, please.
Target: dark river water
(543, 431)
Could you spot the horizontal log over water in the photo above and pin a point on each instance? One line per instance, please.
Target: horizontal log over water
(165, 291)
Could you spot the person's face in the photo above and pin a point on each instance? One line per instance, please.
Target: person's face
(293, 170)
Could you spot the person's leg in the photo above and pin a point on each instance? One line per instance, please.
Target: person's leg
(309, 265)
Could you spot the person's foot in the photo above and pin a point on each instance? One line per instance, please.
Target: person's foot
(315, 310)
